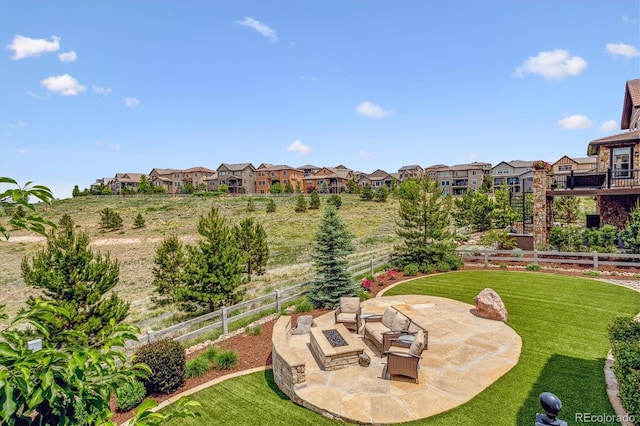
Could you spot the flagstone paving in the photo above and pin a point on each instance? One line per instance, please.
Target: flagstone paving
(465, 355)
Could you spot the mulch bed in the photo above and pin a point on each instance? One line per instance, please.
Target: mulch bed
(255, 350)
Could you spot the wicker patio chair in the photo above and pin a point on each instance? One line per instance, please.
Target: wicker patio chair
(348, 313)
(406, 363)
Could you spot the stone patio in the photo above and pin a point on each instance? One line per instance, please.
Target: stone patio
(465, 355)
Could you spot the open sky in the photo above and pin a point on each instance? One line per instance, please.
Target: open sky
(88, 88)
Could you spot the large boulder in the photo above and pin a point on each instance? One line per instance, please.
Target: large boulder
(489, 305)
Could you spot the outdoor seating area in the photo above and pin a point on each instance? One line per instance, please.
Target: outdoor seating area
(441, 356)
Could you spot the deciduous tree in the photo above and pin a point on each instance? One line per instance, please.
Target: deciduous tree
(20, 196)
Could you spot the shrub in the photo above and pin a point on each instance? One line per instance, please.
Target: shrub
(167, 362)
(210, 354)
(256, 330)
(139, 222)
(334, 200)
(533, 267)
(251, 205)
(271, 206)
(503, 266)
(623, 329)
(411, 270)
(227, 360)
(499, 238)
(304, 306)
(391, 274)
(314, 200)
(364, 295)
(592, 273)
(130, 395)
(301, 204)
(624, 334)
(366, 284)
(443, 267)
(197, 367)
(629, 387)
(109, 219)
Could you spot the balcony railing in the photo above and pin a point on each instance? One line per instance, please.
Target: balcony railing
(596, 180)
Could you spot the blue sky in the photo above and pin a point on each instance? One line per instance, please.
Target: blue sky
(88, 89)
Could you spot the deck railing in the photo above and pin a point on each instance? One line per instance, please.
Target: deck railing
(596, 180)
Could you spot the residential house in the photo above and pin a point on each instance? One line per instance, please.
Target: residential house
(516, 174)
(566, 165)
(413, 171)
(269, 174)
(100, 184)
(239, 178)
(309, 169)
(168, 179)
(196, 175)
(466, 177)
(378, 179)
(125, 181)
(328, 179)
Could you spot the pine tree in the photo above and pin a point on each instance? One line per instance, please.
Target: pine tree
(139, 222)
(424, 226)
(381, 194)
(71, 274)
(288, 188)
(567, 208)
(333, 242)
(109, 219)
(144, 187)
(76, 191)
(503, 214)
(167, 272)
(213, 271)
(314, 200)
(366, 194)
(301, 204)
(630, 234)
(335, 200)
(66, 222)
(252, 242)
(271, 206)
(251, 205)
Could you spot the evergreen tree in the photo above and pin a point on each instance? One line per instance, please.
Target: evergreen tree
(109, 219)
(366, 194)
(487, 184)
(66, 222)
(76, 191)
(335, 200)
(424, 226)
(314, 200)
(251, 205)
(352, 186)
(276, 188)
(381, 194)
(298, 187)
(567, 209)
(301, 204)
(213, 271)
(188, 188)
(69, 273)
(271, 206)
(288, 188)
(144, 187)
(252, 242)
(481, 211)
(139, 222)
(630, 235)
(503, 214)
(167, 273)
(333, 242)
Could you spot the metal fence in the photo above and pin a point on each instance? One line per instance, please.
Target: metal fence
(229, 314)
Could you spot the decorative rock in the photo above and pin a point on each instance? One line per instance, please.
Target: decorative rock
(303, 325)
(364, 360)
(489, 305)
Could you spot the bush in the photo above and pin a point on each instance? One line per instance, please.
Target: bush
(227, 360)
(533, 267)
(139, 222)
(304, 306)
(366, 284)
(624, 334)
(499, 238)
(251, 205)
(256, 330)
(624, 329)
(301, 204)
(109, 219)
(130, 395)
(503, 266)
(197, 367)
(364, 295)
(592, 273)
(411, 270)
(271, 206)
(167, 362)
(334, 200)
(210, 354)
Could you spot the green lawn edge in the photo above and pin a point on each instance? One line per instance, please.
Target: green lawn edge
(563, 324)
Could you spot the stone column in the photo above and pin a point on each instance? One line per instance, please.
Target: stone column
(542, 208)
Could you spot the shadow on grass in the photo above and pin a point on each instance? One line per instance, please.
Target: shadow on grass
(560, 376)
(268, 376)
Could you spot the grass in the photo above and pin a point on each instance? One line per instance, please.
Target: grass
(289, 236)
(563, 324)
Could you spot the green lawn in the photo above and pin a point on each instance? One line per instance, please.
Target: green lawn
(563, 324)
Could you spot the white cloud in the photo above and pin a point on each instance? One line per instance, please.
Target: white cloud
(69, 56)
(369, 110)
(33, 95)
(114, 146)
(621, 49)
(64, 84)
(263, 29)
(24, 47)
(554, 65)
(575, 122)
(131, 102)
(22, 151)
(365, 154)
(299, 147)
(101, 90)
(609, 126)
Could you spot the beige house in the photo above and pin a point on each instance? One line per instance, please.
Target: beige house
(413, 171)
(516, 174)
(122, 181)
(566, 165)
(458, 179)
(330, 180)
(269, 174)
(174, 180)
(239, 178)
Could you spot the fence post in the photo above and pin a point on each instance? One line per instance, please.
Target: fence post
(150, 336)
(225, 325)
(486, 258)
(371, 266)
(278, 301)
(595, 260)
(535, 256)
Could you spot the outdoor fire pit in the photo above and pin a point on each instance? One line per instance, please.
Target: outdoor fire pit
(334, 347)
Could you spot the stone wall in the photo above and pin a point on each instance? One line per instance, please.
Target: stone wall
(614, 210)
(542, 209)
(288, 369)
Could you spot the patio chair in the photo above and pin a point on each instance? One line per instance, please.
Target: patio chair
(348, 313)
(405, 361)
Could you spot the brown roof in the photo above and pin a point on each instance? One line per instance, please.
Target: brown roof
(272, 167)
(594, 145)
(469, 166)
(237, 167)
(198, 169)
(631, 101)
(413, 166)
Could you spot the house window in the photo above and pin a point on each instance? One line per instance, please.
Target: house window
(503, 172)
(621, 162)
(564, 167)
(284, 173)
(474, 181)
(444, 183)
(444, 174)
(474, 172)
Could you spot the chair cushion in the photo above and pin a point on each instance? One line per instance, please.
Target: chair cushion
(400, 322)
(418, 344)
(376, 329)
(414, 328)
(349, 305)
(346, 317)
(388, 316)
